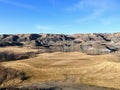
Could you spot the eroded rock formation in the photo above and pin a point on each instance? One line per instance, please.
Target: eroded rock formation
(90, 43)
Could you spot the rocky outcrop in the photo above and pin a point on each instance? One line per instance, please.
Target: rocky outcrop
(10, 43)
(96, 43)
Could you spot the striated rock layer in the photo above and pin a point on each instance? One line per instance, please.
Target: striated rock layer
(96, 43)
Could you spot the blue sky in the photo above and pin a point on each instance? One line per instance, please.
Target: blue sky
(59, 16)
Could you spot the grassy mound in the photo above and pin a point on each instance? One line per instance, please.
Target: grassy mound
(9, 76)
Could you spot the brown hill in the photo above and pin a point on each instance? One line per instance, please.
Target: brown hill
(68, 69)
(65, 67)
(89, 43)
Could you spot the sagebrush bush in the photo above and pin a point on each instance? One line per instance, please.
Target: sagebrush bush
(7, 55)
(7, 74)
(23, 75)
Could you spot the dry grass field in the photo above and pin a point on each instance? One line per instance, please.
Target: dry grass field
(71, 67)
(17, 49)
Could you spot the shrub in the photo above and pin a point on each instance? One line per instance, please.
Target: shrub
(8, 56)
(5, 56)
(7, 74)
(23, 76)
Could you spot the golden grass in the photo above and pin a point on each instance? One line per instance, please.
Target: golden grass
(100, 70)
(17, 49)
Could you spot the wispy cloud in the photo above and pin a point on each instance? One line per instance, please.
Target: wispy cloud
(44, 27)
(106, 21)
(91, 16)
(18, 4)
(93, 4)
(51, 27)
(110, 20)
(96, 8)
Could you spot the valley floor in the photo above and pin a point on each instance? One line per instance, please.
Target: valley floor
(69, 69)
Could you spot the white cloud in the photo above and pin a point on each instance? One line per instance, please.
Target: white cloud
(92, 16)
(106, 22)
(92, 4)
(43, 27)
(18, 4)
(110, 20)
(96, 9)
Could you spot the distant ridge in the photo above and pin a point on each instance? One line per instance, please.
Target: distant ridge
(91, 43)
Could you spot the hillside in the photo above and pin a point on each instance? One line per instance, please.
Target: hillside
(60, 62)
(66, 69)
(89, 43)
